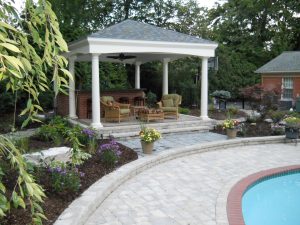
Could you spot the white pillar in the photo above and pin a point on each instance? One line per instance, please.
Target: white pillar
(204, 89)
(72, 100)
(165, 85)
(137, 75)
(96, 121)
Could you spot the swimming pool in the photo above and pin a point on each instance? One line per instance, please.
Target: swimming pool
(273, 201)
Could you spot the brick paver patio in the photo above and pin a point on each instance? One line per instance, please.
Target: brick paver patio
(185, 190)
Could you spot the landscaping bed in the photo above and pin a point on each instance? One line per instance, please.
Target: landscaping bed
(55, 203)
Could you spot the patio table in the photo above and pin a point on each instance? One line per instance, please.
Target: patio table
(151, 114)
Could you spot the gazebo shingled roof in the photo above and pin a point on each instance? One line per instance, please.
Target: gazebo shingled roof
(133, 30)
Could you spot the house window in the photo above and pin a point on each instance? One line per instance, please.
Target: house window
(287, 88)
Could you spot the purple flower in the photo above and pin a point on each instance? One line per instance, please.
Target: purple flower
(111, 146)
(82, 174)
(90, 133)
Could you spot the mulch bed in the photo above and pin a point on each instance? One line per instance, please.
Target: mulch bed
(55, 203)
(257, 129)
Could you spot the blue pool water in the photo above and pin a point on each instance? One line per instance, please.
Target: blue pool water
(275, 201)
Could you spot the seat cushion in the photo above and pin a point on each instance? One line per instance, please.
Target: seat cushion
(107, 99)
(169, 109)
(124, 111)
(168, 103)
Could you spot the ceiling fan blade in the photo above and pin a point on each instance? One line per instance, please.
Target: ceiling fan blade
(129, 57)
(113, 57)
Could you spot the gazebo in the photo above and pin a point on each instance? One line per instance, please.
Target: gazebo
(136, 43)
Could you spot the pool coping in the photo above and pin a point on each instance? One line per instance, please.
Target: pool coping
(234, 199)
(83, 207)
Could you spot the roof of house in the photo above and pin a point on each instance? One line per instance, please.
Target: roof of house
(286, 62)
(133, 30)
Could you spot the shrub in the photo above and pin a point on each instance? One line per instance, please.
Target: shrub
(64, 177)
(184, 110)
(221, 94)
(276, 116)
(22, 144)
(89, 139)
(151, 99)
(261, 99)
(233, 110)
(109, 153)
(292, 121)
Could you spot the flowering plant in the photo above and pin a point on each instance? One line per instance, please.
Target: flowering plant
(110, 153)
(230, 124)
(292, 121)
(64, 177)
(90, 139)
(149, 135)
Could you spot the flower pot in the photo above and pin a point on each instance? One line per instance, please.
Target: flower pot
(147, 147)
(291, 132)
(231, 133)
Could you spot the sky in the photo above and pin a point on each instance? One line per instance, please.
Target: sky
(203, 3)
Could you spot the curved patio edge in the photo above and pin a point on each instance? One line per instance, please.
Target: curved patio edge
(83, 207)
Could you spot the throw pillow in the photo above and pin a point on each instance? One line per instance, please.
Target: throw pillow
(168, 103)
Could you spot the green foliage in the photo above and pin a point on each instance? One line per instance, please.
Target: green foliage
(233, 110)
(276, 116)
(29, 48)
(183, 110)
(22, 144)
(64, 177)
(151, 99)
(25, 187)
(221, 94)
(54, 131)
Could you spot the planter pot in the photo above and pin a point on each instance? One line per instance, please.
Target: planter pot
(147, 147)
(231, 133)
(291, 132)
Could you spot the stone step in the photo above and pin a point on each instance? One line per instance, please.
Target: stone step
(134, 133)
(159, 126)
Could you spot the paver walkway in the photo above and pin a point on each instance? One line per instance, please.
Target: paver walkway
(174, 140)
(185, 190)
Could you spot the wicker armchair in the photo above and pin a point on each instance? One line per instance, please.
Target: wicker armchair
(114, 111)
(170, 104)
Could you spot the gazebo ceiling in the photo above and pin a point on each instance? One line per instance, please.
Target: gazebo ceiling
(145, 42)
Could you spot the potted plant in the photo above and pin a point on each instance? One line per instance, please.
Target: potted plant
(292, 126)
(148, 137)
(230, 126)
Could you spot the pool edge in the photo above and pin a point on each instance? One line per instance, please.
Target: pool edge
(234, 199)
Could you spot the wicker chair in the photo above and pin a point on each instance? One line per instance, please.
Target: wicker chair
(170, 104)
(114, 111)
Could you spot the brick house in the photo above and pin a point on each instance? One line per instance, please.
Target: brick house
(283, 72)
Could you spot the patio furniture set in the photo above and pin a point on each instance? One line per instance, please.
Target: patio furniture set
(116, 111)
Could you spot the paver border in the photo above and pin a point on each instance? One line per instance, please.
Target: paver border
(83, 207)
(234, 200)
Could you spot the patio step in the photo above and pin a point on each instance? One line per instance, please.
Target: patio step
(121, 131)
(201, 129)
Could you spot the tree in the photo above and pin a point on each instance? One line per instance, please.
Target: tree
(29, 48)
(250, 33)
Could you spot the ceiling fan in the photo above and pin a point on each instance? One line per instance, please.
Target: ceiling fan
(122, 56)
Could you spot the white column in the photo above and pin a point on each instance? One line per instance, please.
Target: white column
(204, 89)
(96, 121)
(165, 85)
(72, 100)
(137, 75)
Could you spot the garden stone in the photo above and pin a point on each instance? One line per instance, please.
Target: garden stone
(62, 154)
